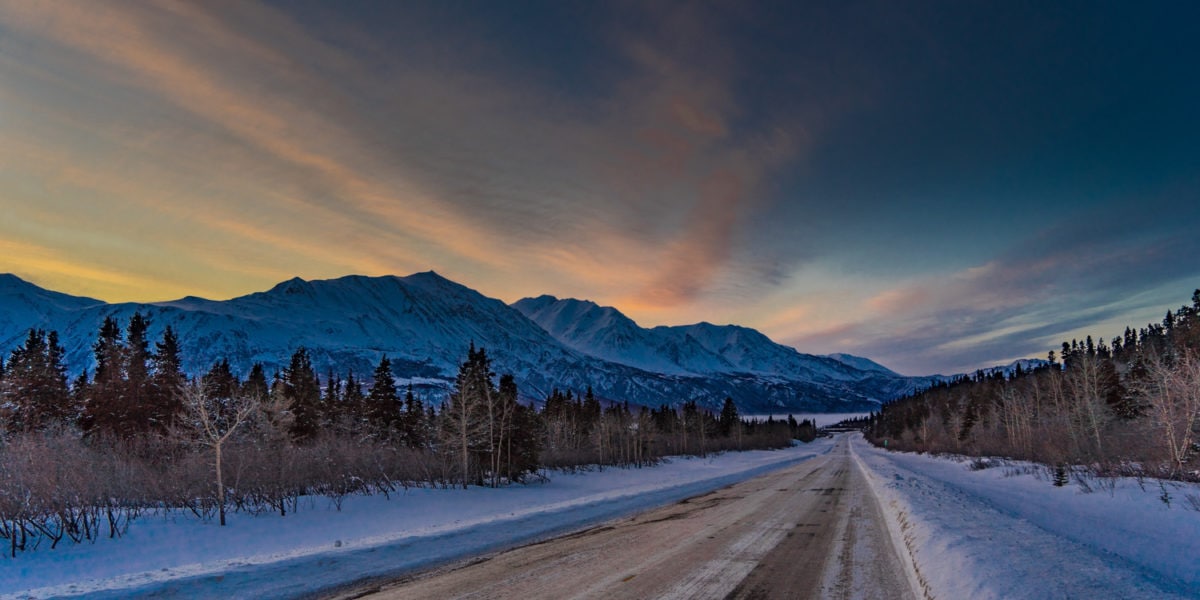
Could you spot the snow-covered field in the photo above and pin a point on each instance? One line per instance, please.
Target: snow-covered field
(996, 533)
(321, 548)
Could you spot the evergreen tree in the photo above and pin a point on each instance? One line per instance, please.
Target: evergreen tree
(167, 381)
(80, 389)
(523, 432)
(136, 361)
(255, 387)
(220, 388)
(35, 384)
(331, 402)
(383, 402)
(729, 417)
(413, 423)
(220, 381)
(105, 410)
(302, 389)
(354, 403)
(591, 409)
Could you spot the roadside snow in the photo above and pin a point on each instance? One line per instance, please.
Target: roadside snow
(995, 533)
(321, 549)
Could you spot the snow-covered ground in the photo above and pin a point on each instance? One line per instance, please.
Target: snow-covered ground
(321, 548)
(998, 533)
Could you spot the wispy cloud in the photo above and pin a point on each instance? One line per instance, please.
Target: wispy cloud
(383, 166)
(1020, 304)
(165, 147)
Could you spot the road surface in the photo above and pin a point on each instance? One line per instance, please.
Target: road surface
(813, 530)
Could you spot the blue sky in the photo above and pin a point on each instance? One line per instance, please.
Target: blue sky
(936, 185)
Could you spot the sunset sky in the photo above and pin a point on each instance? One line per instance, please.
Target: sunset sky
(938, 186)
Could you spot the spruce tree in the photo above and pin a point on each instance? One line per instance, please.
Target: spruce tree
(35, 384)
(729, 417)
(137, 376)
(331, 401)
(524, 433)
(591, 410)
(220, 387)
(413, 421)
(303, 391)
(383, 402)
(167, 380)
(354, 403)
(256, 387)
(104, 412)
(80, 389)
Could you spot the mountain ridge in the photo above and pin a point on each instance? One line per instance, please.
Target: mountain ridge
(425, 321)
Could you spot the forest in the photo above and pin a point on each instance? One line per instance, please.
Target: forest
(1130, 406)
(81, 459)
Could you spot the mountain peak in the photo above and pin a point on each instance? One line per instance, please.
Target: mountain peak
(429, 275)
(10, 281)
(433, 279)
(294, 285)
(860, 363)
(11, 285)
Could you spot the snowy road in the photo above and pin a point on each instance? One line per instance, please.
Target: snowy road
(826, 519)
(320, 549)
(811, 530)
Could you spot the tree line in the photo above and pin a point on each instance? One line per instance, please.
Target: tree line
(1127, 406)
(80, 459)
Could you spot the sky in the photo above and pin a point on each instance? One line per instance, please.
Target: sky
(939, 186)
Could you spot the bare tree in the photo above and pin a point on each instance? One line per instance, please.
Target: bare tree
(214, 421)
(1091, 415)
(1174, 397)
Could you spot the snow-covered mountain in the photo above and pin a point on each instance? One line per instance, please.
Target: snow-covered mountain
(424, 323)
(705, 349)
(860, 363)
(604, 332)
(1024, 364)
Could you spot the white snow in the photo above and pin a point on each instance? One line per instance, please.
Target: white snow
(860, 363)
(320, 548)
(699, 349)
(1003, 532)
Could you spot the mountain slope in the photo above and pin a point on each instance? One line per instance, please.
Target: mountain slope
(604, 332)
(860, 363)
(705, 349)
(425, 322)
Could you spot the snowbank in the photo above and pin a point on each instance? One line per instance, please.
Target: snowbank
(321, 549)
(996, 533)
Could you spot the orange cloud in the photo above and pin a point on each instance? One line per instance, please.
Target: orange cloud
(243, 142)
(47, 267)
(124, 35)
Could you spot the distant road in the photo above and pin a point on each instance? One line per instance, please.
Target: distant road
(812, 530)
